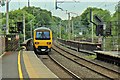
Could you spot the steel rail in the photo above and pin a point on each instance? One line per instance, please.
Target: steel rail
(90, 62)
(70, 72)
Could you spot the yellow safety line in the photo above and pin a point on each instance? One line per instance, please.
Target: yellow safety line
(30, 69)
(19, 67)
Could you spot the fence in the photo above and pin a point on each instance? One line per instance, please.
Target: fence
(11, 43)
(81, 45)
(111, 44)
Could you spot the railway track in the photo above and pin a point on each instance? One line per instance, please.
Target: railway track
(97, 68)
(70, 72)
(55, 63)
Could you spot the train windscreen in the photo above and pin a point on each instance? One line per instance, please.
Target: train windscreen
(43, 35)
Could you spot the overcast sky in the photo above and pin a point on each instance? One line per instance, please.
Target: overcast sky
(76, 6)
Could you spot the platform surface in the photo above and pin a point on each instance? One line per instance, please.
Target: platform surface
(31, 66)
(9, 65)
(35, 67)
(111, 53)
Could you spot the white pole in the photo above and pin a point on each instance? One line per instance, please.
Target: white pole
(104, 27)
(31, 29)
(7, 17)
(24, 25)
(92, 26)
(69, 30)
(66, 28)
(57, 32)
(60, 29)
(28, 3)
(60, 32)
(72, 30)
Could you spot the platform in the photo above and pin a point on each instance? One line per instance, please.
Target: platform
(30, 66)
(110, 53)
(34, 66)
(109, 56)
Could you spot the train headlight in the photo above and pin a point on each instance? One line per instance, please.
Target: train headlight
(48, 43)
(36, 42)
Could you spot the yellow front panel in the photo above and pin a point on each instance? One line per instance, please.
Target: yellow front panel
(42, 42)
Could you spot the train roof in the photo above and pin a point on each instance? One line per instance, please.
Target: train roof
(40, 28)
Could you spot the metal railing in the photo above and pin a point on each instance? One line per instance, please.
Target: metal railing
(81, 45)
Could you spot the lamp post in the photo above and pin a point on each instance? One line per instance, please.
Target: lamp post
(72, 30)
(31, 27)
(69, 30)
(28, 3)
(24, 25)
(60, 30)
(7, 17)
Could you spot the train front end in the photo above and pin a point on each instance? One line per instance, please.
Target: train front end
(42, 40)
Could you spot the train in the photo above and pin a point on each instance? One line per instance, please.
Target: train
(42, 40)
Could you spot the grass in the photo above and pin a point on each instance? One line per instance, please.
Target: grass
(91, 57)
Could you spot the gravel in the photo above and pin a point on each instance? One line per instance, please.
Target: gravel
(77, 69)
(108, 65)
(54, 67)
